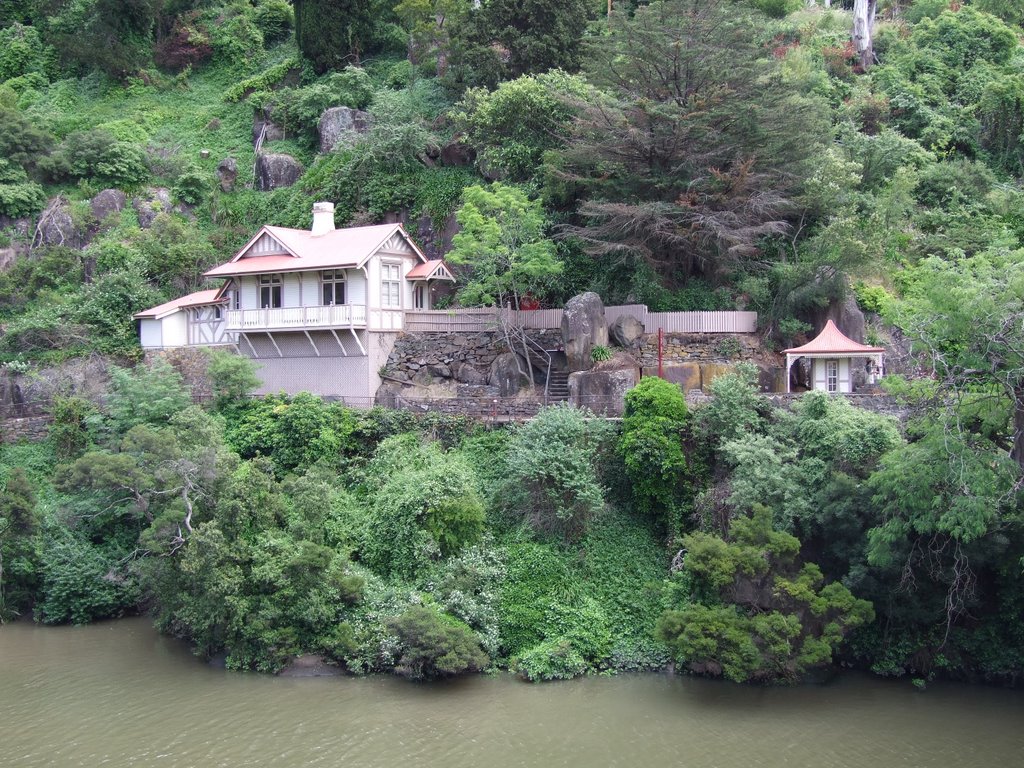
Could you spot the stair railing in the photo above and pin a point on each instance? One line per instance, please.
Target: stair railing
(531, 346)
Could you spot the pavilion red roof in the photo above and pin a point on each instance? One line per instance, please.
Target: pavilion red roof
(197, 299)
(832, 341)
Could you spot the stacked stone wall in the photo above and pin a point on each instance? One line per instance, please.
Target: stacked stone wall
(430, 358)
(30, 428)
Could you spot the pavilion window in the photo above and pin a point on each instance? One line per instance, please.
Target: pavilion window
(832, 375)
(333, 290)
(270, 291)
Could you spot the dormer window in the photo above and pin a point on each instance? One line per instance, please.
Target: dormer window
(270, 291)
(333, 292)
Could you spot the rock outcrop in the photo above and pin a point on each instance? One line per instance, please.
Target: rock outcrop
(342, 126)
(457, 153)
(274, 171)
(847, 316)
(583, 328)
(508, 374)
(603, 392)
(152, 203)
(107, 203)
(227, 173)
(264, 128)
(626, 331)
(58, 227)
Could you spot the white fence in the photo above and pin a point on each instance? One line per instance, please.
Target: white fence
(448, 321)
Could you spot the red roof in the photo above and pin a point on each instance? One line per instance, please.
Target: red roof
(197, 299)
(337, 248)
(831, 341)
(427, 269)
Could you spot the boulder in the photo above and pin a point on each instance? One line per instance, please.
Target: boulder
(583, 328)
(440, 370)
(467, 374)
(626, 331)
(686, 375)
(152, 203)
(275, 171)
(387, 396)
(711, 371)
(603, 392)
(57, 227)
(457, 153)
(848, 317)
(107, 203)
(341, 126)
(506, 376)
(263, 126)
(227, 172)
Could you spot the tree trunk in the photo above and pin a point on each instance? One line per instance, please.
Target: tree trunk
(863, 29)
(1017, 452)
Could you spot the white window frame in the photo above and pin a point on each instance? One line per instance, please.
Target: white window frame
(333, 279)
(275, 290)
(831, 375)
(390, 285)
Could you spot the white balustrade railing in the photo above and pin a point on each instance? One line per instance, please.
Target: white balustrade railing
(338, 316)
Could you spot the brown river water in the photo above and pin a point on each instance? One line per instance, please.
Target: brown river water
(118, 694)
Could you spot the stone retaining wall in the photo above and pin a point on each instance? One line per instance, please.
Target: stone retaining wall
(425, 358)
(31, 428)
(701, 347)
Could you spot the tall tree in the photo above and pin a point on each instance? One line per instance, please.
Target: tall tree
(335, 33)
(690, 158)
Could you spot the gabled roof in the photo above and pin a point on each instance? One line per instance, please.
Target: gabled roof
(197, 299)
(831, 341)
(435, 269)
(349, 247)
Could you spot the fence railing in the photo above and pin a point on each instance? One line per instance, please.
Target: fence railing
(486, 319)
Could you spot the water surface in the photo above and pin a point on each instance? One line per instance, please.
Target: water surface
(119, 694)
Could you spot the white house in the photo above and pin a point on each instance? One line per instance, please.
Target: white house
(832, 355)
(318, 310)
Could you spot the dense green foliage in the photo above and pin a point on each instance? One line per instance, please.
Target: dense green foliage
(754, 612)
(689, 155)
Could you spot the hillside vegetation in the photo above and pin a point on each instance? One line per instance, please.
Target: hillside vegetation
(685, 154)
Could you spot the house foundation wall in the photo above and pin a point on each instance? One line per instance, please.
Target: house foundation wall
(346, 378)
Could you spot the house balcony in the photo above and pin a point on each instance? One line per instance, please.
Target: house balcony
(353, 316)
(297, 318)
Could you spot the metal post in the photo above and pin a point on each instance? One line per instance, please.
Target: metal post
(661, 350)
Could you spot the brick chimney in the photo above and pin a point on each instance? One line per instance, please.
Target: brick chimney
(323, 218)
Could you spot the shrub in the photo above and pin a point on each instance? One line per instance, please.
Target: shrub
(425, 504)
(275, 19)
(146, 395)
(18, 196)
(433, 645)
(83, 582)
(21, 141)
(599, 353)
(232, 376)
(553, 470)
(71, 432)
(96, 154)
(191, 186)
(653, 428)
(21, 52)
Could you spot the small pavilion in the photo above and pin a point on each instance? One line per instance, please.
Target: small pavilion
(831, 353)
